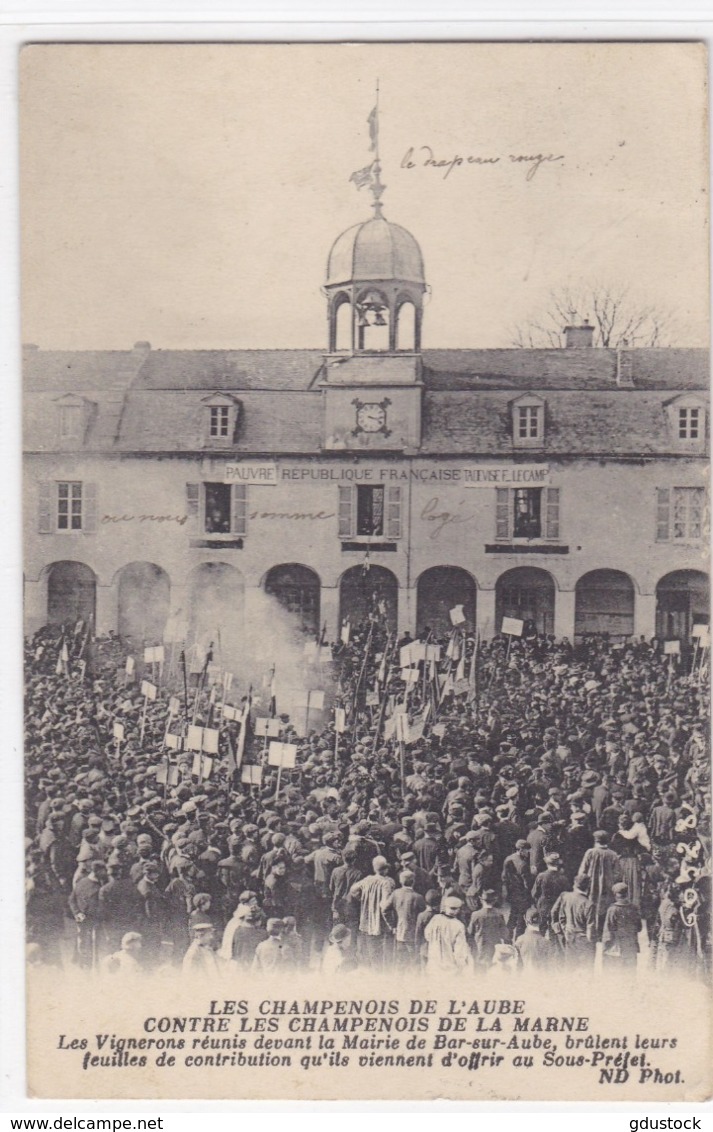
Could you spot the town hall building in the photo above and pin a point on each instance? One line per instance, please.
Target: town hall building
(165, 489)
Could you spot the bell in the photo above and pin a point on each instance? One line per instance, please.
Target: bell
(379, 320)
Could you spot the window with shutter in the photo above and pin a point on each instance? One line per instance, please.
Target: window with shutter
(45, 508)
(393, 512)
(193, 498)
(502, 513)
(89, 508)
(346, 511)
(663, 513)
(240, 509)
(552, 517)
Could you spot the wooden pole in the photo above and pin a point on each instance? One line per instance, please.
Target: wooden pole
(143, 718)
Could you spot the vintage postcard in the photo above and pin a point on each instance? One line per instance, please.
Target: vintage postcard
(366, 598)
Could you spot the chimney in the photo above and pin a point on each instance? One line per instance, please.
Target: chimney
(624, 365)
(579, 337)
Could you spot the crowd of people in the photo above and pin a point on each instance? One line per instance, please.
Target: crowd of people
(547, 805)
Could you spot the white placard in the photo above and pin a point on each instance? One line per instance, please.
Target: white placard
(149, 655)
(409, 675)
(457, 615)
(699, 631)
(418, 651)
(210, 740)
(119, 731)
(174, 706)
(251, 775)
(671, 648)
(148, 689)
(512, 626)
(130, 665)
(194, 740)
(345, 633)
(172, 741)
(316, 700)
(372, 699)
(282, 754)
(405, 656)
(340, 720)
(433, 652)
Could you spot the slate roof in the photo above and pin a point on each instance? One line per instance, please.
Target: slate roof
(151, 401)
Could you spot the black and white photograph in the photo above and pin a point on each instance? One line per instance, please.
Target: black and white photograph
(366, 580)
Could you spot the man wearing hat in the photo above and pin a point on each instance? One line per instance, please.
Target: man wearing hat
(517, 881)
(271, 955)
(622, 925)
(200, 958)
(572, 920)
(601, 865)
(447, 947)
(487, 928)
(338, 957)
(126, 961)
(372, 892)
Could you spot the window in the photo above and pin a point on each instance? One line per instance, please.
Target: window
(680, 514)
(527, 513)
(219, 422)
(369, 512)
(67, 506)
(689, 424)
(221, 411)
(70, 422)
(221, 508)
(528, 422)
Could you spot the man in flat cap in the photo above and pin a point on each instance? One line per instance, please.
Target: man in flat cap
(620, 937)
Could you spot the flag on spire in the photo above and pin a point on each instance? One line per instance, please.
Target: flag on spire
(363, 177)
(373, 121)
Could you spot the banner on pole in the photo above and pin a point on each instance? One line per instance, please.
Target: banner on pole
(340, 720)
(148, 689)
(283, 755)
(251, 775)
(119, 732)
(210, 740)
(672, 648)
(457, 615)
(194, 739)
(267, 728)
(512, 626)
(172, 741)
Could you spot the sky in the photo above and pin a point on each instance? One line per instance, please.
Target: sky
(188, 195)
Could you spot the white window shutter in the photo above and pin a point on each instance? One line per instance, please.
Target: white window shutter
(89, 508)
(45, 508)
(502, 514)
(239, 520)
(193, 496)
(346, 511)
(393, 512)
(552, 515)
(663, 514)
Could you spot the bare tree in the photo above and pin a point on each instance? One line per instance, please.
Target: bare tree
(616, 315)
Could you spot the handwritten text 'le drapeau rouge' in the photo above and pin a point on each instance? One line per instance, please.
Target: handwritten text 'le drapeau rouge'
(423, 157)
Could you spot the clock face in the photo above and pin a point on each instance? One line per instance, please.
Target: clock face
(371, 417)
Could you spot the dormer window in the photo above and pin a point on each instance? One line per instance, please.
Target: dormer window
(687, 422)
(219, 422)
(528, 422)
(221, 419)
(72, 419)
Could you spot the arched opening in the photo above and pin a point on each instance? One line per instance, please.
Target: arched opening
(297, 588)
(363, 592)
(216, 609)
(682, 601)
(373, 315)
(528, 594)
(71, 593)
(604, 604)
(144, 599)
(438, 590)
(342, 331)
(406, 326)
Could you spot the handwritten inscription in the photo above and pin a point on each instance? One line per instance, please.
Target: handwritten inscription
(312, 516)
(180, 519)
(440, 519)
(424, 157)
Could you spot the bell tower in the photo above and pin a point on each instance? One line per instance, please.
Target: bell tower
(375, 288)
